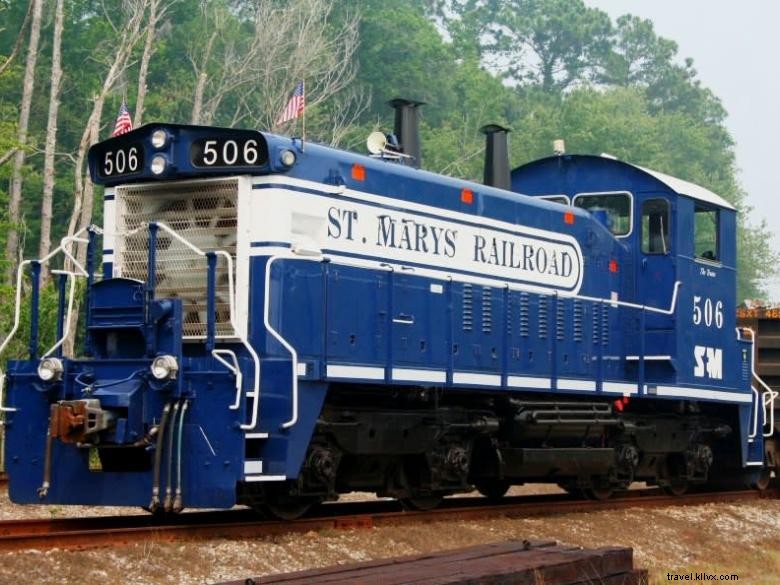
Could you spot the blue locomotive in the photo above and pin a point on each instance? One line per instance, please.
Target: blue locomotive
(278, 323)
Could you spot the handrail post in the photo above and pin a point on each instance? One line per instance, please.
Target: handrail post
(87, 294)
(61, 311)
(211, 301)
(34, 313)
(151, 279)
(642, 349)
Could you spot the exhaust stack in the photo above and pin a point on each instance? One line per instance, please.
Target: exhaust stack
(407, 127)
(496, 156)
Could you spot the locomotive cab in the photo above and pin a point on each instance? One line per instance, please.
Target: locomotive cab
(680, 252)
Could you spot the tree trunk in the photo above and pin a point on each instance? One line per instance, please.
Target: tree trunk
(143, 72)
(7, 63)
(51, 139)
(200, 85)
(15, 196)
(125, 44)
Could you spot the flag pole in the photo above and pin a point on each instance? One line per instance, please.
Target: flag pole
(303, 115)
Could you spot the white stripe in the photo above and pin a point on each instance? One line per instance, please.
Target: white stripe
(751, 463)
(528, 382)
(700, 393)
(253, 467)
(566, 384)
(108, 258)
(253, 478)
(366, 372)
(269, 251)
(650, 358)
(619, 387)
(412, 375)
(472, 378)
(301, 369)
(256, 436)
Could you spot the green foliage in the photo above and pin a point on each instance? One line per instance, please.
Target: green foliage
(545, 68)
(18, 346)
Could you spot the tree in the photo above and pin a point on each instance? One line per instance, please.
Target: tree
(51, 137)
(157, 12)
(247, 56)
(15, 201)
(127, 35)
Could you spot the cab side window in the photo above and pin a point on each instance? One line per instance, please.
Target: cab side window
(655, 226)
(615, 207)
(705, 233)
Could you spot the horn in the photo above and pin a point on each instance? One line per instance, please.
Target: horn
(376, 142)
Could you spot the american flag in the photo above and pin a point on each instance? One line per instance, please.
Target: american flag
(295, 106)
(123, 122)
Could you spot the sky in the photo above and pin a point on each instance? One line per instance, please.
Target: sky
(735, 48)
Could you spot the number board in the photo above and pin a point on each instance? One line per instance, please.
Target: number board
(126, 159)
(237, 149)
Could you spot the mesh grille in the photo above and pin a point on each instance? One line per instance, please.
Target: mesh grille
(202, 213)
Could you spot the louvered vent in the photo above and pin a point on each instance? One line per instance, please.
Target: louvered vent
(560, 319)
(468, 307)
(542, 317)
(578, 319)
(487, 310)
(524, 302)
(202, 213)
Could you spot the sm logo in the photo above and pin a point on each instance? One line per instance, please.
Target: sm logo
(709, 362)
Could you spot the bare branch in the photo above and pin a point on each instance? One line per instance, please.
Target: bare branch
(19, 38)
(7, 156)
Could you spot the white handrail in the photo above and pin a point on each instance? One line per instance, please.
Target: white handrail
(303, 254)
(71, 294)
(769, 396)
(278, 336)
(254, 394)
(234, 368)
(18, 297)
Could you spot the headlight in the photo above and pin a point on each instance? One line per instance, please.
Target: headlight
(287, 157)
(159, 138)
(165, 367)
(158, 164)
(50, 369)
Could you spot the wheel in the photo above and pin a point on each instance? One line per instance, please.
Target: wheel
(573, 490)
(677, 483)
(677, 487)
(761, 479)
(598, 492)
(492, 489)
(421, 503)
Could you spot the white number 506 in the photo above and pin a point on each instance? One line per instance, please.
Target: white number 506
(708, 313)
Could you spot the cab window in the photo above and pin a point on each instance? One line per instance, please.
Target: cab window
(705, 235)
(616, 207)
(655, 226)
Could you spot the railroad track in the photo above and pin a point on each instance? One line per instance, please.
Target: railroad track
(104, 531)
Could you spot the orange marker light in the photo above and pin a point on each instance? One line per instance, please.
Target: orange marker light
(358, 172)
(613, 266)
(568, 217)
(467, 196)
